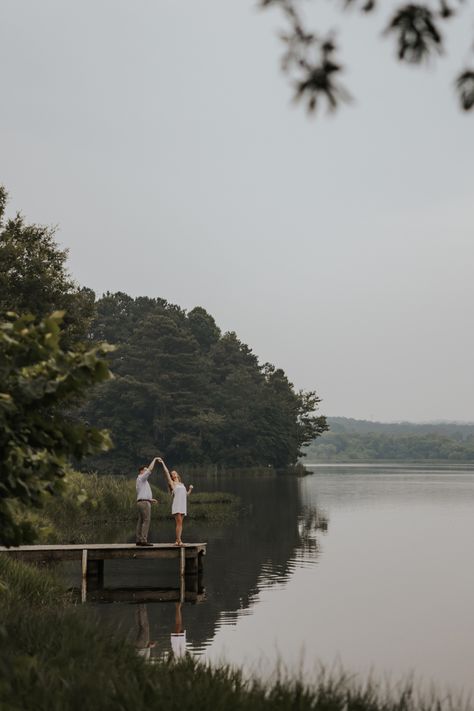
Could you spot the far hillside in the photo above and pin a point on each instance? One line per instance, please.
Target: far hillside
(350, 440)
(448, 429)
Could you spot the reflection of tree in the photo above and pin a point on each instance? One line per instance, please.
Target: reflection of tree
(311, 521)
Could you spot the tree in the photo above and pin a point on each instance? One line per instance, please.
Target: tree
(34, 278)
(38, 380)
(203, 327)
(310, 59)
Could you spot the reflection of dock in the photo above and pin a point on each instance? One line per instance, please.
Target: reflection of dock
(93, 555)
(142, 595)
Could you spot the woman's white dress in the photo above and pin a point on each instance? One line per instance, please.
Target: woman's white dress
(178, 644)
(180, 500)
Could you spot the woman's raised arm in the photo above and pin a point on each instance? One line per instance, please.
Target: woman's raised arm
(167, 474)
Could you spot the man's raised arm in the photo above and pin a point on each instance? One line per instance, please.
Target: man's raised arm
(152, 464)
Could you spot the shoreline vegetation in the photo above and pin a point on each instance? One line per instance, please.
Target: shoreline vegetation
(55, 656)
(350, 441)
(447, 464)
(105, 502)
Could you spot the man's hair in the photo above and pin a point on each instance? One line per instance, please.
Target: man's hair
(141, 468)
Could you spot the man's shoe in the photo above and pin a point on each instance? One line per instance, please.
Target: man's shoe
(140, 543)
(147, 544)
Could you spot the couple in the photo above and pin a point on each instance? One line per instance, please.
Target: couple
(145, 500)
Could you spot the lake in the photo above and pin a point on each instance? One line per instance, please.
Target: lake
(360, 567)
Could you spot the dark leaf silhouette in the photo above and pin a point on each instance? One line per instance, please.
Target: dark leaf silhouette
(309, 57)
(465, 86)
(417, 33)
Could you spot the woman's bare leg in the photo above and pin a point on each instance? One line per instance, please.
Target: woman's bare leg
(179, 526)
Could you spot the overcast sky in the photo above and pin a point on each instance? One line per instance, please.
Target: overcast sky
(160, 137)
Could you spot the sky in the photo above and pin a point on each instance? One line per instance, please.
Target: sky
(161, 139)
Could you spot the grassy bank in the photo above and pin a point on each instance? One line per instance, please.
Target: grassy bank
(55, 657)
(107, 501)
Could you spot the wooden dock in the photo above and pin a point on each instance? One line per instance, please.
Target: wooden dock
(93, 556)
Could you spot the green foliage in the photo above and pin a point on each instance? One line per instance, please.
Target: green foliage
(38, 380)
(57, 657)
(34, 279)
(184, 390)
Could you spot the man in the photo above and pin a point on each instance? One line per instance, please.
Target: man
(144, 501)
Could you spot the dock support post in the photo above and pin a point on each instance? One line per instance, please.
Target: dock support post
(182, 561)
(84, 576)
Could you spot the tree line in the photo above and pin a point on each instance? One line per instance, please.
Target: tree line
(375, 446)
(455, 430)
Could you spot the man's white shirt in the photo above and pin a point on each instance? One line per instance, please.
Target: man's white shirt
(143, 487)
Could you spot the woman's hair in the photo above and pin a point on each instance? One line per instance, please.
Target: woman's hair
(173, 471)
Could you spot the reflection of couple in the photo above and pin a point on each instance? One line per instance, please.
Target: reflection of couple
(143, 645)
(145, 500)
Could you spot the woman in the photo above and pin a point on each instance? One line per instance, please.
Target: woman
(180, 499)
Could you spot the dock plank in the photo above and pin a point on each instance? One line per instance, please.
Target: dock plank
(103, 551)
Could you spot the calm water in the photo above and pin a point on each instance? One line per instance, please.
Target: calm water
(369, 568)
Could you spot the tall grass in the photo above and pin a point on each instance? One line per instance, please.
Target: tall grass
(27, 584)
(57, 657)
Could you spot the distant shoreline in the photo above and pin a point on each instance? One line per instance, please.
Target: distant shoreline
(378, 464)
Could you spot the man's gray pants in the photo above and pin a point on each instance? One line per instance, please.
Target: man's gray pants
(143, 523)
